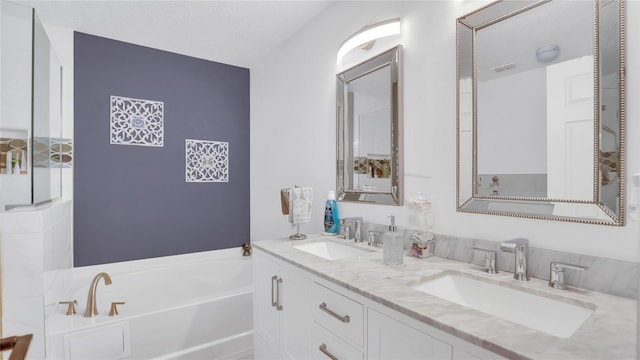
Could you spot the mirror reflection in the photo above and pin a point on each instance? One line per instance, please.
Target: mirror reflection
(540, 110)
(368, 123)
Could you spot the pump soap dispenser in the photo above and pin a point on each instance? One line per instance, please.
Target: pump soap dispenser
(392, 245)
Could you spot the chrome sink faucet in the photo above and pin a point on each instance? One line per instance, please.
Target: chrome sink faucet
(92, 308)
(520, 249)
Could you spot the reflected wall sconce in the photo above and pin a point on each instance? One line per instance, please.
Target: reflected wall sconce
(367, 35)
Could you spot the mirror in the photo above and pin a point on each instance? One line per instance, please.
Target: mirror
(369, 131)
(541, 110)
(31, 122)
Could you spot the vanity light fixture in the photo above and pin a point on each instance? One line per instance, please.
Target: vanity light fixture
(368, 34)
(547, 53)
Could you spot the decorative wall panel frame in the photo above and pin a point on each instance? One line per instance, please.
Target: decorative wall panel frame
(206, 161)
(136, 122)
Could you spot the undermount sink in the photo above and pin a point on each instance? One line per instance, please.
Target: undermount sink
(550, 316)
(331, 250)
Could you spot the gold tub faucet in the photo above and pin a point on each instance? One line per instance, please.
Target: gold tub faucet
(92, 309)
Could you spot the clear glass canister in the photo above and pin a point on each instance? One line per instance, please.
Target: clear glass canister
(420, 233)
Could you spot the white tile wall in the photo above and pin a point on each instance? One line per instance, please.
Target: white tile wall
(22, 270)
(32, 241)
(21, 222)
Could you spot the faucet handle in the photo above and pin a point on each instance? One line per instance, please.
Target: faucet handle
(556, 273)
(113, 311)
(371, 238)
(489, 260)
(347, 232)
(71, 308)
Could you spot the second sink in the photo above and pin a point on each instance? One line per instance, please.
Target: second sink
(330, 249)
(550, 316)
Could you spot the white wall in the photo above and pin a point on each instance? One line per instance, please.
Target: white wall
(293, 128)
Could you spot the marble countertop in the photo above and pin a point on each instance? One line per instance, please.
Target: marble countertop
(609, 333)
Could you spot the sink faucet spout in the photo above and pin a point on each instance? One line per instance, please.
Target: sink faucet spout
(92, 308)
(520, 249)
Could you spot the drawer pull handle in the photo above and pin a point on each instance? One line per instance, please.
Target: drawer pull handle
(323, 349)
(344, 319)
(273, 302)
(278, 305)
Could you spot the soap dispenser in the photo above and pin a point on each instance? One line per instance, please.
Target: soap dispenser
(392, 245)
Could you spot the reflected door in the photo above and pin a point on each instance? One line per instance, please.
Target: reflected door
(570, 132)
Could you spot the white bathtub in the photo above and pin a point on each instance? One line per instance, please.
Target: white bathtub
(196, 306)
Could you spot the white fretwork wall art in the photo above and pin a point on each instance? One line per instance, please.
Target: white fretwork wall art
(207, 161)
(137, 122)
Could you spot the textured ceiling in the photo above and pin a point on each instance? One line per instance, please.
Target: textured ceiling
(232, 32)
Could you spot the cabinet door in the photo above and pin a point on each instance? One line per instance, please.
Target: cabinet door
(391, 339)
(295, 316)
(107, 342)
(265, 315)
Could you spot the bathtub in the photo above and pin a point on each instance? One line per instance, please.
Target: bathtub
(195, 306)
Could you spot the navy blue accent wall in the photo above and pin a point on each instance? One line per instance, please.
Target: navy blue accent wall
(132, 202)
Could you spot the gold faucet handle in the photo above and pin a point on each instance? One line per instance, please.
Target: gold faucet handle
(71, 309)
(114, 309)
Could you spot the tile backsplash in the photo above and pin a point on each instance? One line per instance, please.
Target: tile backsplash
(47, 152)
(12, 149)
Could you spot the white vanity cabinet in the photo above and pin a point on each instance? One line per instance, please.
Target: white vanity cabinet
(282, 313)
(298, 315)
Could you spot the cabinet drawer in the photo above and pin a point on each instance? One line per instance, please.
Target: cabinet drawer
(339, 314)
(325, 344)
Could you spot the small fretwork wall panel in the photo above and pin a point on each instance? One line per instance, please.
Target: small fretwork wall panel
(161, 153)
